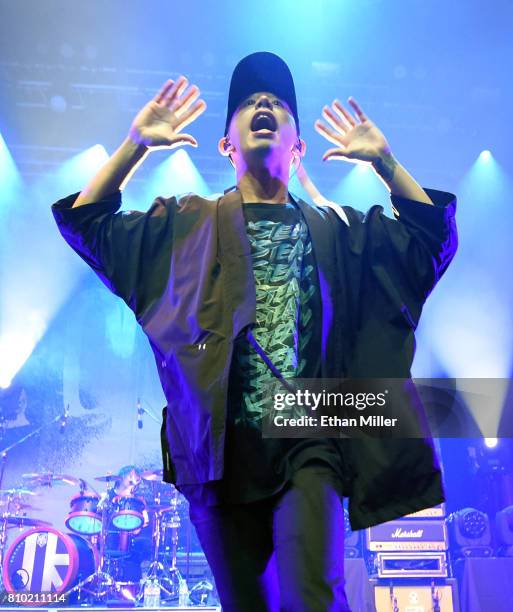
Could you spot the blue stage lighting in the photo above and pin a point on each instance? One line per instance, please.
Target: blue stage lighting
(11, 183)
(174, 176)
(31, 293)
(361, 189)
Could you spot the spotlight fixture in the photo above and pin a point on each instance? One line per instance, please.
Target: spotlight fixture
(470, 534)
(485, 155)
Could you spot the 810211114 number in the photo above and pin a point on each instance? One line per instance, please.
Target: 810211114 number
(27, 597)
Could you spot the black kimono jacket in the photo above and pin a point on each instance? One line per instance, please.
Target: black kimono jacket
(184, 267)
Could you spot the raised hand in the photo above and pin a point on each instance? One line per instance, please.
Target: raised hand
(357, 138)
(159, 123)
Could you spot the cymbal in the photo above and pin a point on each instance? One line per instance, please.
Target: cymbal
(25, 521)
(108, 478)
(48, 477)
(153, 475)
(18, 492)
(17, 505)
(71, 480)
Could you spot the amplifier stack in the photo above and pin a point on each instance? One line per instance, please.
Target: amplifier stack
(407, 560)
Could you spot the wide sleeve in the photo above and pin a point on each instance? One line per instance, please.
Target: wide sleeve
(411, 252)
(130, 251)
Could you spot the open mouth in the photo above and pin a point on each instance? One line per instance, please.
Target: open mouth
(264, 122)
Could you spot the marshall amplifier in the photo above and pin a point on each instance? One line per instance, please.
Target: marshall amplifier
(410, 564)
(413, 534)
(434, 512)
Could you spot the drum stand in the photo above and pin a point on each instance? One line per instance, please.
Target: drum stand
(3, 538)
(167, 579)
(103, 584)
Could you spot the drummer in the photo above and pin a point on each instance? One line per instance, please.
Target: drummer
(137, 543)
(129, 479)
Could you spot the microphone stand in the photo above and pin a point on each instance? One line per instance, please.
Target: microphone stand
(142, 410)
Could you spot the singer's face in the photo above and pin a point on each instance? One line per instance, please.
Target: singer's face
(262, 128)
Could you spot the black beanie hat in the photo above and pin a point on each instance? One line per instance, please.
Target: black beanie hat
(261, 71)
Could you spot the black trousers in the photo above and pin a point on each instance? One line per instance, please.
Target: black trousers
(285, 553)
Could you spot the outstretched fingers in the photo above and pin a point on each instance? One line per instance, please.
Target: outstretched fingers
(361, 115)
(175, 91)
(182, 104)
(194, 112)
(343, 114)
(163, 91)
(331, 135)
(336, 122)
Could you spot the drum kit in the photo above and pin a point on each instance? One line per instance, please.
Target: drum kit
(99, 560)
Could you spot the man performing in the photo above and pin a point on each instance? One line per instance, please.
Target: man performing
(232, 291)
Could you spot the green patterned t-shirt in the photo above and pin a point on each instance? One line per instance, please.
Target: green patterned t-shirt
(288, 328)
(286, 298)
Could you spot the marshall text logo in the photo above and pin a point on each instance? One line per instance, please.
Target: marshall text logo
(407, 533)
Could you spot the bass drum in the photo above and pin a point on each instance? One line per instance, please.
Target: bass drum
(44, 560)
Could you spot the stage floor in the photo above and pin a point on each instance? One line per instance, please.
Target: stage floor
(103, 608)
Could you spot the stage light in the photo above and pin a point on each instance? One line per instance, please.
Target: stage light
(58, 104)
(478, 342)
(470, 533)
(491, 442)
(15, 347)
(11, 178)
(127, 594)
(473, 523)
(360, 188)
(363, 168)
(31, 291)
(11, 186)
(176, 175)
(75, 172)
